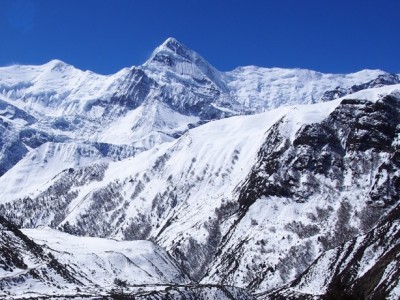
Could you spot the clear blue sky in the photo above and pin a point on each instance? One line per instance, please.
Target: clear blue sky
(106, 35)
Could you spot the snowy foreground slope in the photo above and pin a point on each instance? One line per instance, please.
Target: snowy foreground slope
(190, 183)
(55, 265)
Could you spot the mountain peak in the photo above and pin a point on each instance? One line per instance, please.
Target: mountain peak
(177, 47)
(172, 50)
(170, 42)
(56, 62)
(175, 56)
(56, 65)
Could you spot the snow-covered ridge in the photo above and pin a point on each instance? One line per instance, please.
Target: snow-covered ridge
(67, 90)
(55, 85)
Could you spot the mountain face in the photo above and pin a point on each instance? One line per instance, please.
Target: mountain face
(331, 181)
(173, 180)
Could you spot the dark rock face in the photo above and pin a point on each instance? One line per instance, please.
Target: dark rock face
(338, 92)
(356, 131)
(195, 257)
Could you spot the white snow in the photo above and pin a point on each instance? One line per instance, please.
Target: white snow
(40, 165)
(103, 260)
(256, 88)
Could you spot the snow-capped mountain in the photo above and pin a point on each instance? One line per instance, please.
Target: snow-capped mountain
(176, 89)
(244, 178)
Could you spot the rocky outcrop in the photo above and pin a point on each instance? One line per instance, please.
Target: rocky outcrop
(381, 80)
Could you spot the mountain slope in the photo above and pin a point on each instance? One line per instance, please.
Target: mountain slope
(49, 262)
(311, 190)
(27, 267)
(235, 201)
(364, 268)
